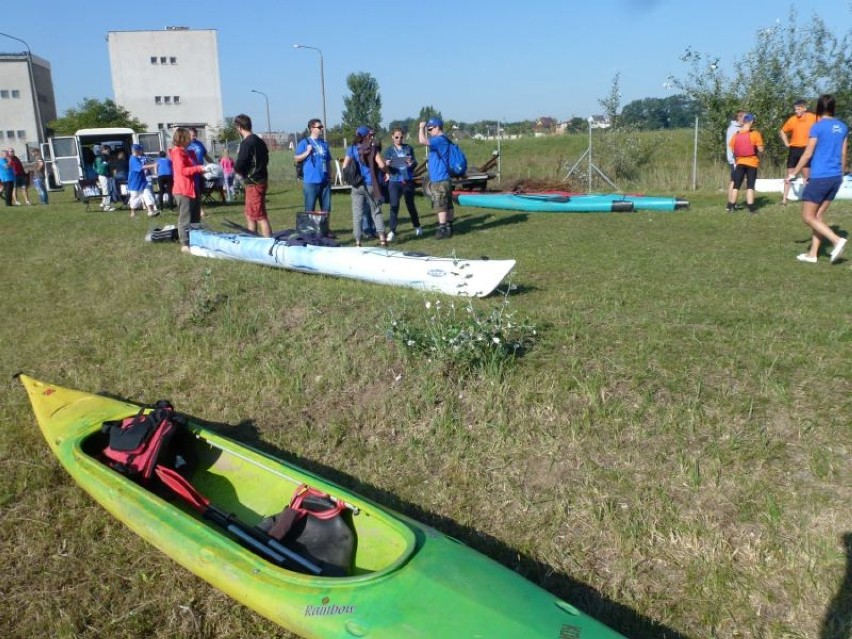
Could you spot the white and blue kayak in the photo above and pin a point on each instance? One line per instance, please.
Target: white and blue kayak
(452, 276)
(776, 185)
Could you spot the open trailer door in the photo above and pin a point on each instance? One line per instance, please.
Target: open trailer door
(65, 159)
(52, 183)
(152, 143)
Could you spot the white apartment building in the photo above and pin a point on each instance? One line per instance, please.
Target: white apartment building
(168, 78)
(22, 119)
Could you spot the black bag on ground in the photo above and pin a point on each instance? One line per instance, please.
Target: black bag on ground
(312, 223)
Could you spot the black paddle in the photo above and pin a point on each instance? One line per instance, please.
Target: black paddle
(254, 539)
(240, 227)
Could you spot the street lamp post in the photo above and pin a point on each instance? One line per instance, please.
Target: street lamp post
(322, 82)
(39, 124)
(268, 121)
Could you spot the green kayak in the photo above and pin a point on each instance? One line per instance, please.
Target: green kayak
(407, 580)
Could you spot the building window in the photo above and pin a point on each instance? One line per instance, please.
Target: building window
(162, 59)
(22, 135)
(176, 99)
(1, 135)
(160, 126)
(173, 60)
(10, 135)
(153, 59)
(158, 99)
(167, 99)
(16, 93)
(4, 93)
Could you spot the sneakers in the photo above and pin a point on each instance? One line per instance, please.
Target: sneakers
(418, 232)
(730, 208)
(153, 213)
(109, 208)
(442, 233)
(838, 249)
(804, 257)
(391, 236)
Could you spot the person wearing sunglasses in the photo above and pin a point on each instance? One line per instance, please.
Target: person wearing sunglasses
(401, 164)
(314, 154)
(440, 184)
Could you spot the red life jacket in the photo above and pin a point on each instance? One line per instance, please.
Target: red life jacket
(743, 146)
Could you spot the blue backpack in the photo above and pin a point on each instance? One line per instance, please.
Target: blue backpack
(456, 161)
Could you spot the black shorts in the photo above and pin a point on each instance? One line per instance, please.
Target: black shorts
(747, 172)
(794, 154)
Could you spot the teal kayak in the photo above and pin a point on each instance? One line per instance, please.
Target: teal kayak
(563, 202)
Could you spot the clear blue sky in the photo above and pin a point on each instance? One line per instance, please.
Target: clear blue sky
(476, 60)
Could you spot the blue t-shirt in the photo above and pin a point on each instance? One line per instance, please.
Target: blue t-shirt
(164, 166)
(136, 180)
(352, 152)
(7, 173)
(397, 157)
(439, 158)
(827, 158)
(315, 166)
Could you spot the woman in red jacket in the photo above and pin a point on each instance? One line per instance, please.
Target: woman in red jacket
(183, 190)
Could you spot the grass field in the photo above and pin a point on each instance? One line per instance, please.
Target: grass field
(672, 454)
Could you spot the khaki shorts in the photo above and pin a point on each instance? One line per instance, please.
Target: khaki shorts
(441, 194)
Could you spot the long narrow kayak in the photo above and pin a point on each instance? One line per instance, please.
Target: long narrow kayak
(640, 202)
(564, 202)
(468, 278)
(776, 185)
(540, 203)
(409, 580)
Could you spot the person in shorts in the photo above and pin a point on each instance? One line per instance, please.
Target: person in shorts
(137, 183)
(440, 185)
(747, 146)
(794, 135)
(251, 164)
(827, 153)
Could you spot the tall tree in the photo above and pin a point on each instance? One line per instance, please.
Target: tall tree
(92, 114)
(428, 112)
(363, 107)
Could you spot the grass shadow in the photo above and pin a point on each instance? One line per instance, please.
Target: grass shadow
(837, 623)
(618, 616)
(489, 221)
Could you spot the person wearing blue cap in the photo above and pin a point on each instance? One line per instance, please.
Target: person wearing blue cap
(137, 183)
(440, 184)
(366, 197)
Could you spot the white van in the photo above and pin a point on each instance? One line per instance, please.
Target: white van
(70, 157)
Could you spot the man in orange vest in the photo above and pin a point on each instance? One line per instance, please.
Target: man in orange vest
(794, 135)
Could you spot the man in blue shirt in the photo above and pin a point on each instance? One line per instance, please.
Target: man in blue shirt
(315, 157)
(137, 183)
(199, 152)
(440, 184)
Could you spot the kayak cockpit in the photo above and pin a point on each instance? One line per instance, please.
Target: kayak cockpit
(251, 487)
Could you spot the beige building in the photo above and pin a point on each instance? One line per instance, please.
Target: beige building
(22, 118)
(168, 78)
